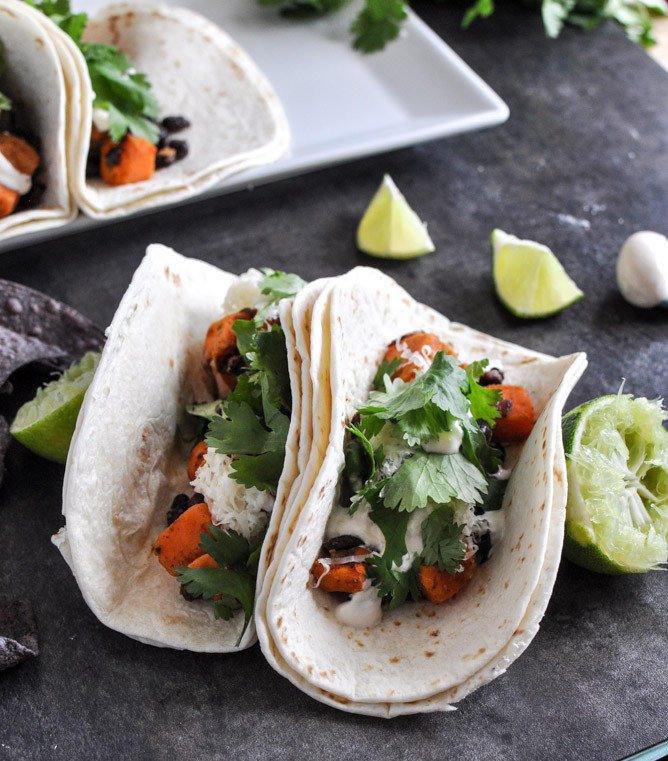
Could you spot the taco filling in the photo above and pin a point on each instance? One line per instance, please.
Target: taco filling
(213, 540)
(420, 495)
(128, 140)
(18, 158)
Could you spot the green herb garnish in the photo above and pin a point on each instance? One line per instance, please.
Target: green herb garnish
(379, 21)
(123, 93)
(254, 419)
(234, 581)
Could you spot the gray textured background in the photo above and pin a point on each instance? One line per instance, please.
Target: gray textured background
(587, 138)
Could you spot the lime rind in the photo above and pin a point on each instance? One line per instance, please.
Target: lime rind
(529, 279)
(46, 423)
(617, 461)
(390, 228)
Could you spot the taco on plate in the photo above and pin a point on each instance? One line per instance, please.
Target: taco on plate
(33, 173)
(168, 105)
(423, 558)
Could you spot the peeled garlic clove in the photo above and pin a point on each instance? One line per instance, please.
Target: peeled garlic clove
(642, 269)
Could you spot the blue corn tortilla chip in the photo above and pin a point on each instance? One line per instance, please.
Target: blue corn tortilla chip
(18, 633)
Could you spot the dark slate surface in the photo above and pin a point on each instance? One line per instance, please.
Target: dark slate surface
(586, 141)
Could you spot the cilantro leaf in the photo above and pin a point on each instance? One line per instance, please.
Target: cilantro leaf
(227, 548)
(475, 448)
(260, 471)
(5, 102)
(442, 540)
(280, 285)
(481, 398)
(482, 8)
(124, 93)
(367, 449)
(240, 431)
(377, 23)
(438, 478)
(442, 384)
(245, 332)
(386, 368)
(495, 491)
(269, 357)
(384, 570)
(233, 582)
(206, 410)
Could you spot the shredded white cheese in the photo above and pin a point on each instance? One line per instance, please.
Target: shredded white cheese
(246, 293)
(232, 505)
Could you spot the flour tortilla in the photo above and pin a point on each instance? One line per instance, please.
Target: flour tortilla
(127, 462)
(34, 80)
(421, 657)
(197, 71)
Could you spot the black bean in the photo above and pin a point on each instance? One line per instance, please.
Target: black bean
(181, 148)
(491, 376)
(196, 499)
(179, 505)
(165, 157)
(486, 429)
(484, 546)
(344, 542)
(175, 123)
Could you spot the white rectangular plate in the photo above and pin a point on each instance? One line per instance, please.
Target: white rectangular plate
(341, 104)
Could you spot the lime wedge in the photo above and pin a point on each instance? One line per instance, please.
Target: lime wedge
(390, 228)
(46, 423)
(529, 280)
(617, 462)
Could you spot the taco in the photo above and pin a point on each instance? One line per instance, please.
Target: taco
(436, 582)
(185, 451)
(169, 105)
(33, 174)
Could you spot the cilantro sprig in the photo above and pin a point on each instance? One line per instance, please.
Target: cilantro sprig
(442, 540)
(253, 422)
(379, 21)
(233, 583)
(384, 570)
(119, 89)
(5, 102)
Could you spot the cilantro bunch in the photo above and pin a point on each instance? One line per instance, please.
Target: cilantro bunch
(119, 89)
(444, 398)
(252, 426)
(254, 419)
(379, 21)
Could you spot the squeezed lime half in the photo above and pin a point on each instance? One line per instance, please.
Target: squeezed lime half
(529, 279)
(617, 462)
(390, 228)
(46, 423)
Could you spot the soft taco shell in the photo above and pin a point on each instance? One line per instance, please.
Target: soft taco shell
(127, 461)
(421, 657)
(197, 71)
(33, 79)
